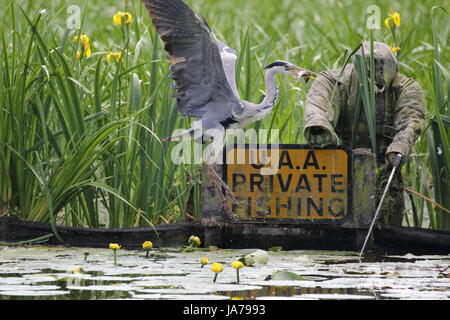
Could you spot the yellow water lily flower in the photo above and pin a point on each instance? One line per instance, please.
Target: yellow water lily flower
(217, 267)
(122, 17)
(147, 245)
(194, 240)
(204, 261)
(115, 55)
(237, 265)
(114, 246)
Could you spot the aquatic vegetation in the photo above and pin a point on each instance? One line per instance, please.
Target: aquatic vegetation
(39, 272)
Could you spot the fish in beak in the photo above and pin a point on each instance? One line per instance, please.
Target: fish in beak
(300, 73)
(304, 74)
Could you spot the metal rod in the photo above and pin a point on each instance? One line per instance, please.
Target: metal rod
(396, 165)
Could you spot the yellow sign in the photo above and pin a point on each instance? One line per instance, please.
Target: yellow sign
(289, 182)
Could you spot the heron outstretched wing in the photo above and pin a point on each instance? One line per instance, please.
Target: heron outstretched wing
(229, 57)
(202, 88)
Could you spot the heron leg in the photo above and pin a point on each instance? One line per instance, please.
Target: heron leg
(224, 191)
(214, 154)
(184, 134)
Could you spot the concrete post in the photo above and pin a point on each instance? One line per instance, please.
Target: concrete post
(364, 194)
(212, 213)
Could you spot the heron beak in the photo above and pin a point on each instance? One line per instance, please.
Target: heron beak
(304, 74)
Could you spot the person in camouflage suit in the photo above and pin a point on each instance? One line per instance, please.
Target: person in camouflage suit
(400, 118)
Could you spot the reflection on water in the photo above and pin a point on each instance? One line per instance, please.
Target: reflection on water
(65, 285)
(74, 295)
(289, 291)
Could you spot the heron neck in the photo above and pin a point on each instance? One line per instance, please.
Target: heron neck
(271, 90)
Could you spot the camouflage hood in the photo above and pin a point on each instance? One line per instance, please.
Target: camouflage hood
(386, 65)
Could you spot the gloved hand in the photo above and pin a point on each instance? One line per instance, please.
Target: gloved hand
(394, 159)
(319, 136)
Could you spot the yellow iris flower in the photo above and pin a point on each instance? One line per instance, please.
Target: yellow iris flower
(387, 24)
(85, 44)
(395, 17)
(122, 17)
(117, 56)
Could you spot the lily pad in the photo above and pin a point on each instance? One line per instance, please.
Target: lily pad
(257, 257)
(286, 275)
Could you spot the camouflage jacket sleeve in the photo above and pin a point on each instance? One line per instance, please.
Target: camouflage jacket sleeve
(322, 108)
(409, 114)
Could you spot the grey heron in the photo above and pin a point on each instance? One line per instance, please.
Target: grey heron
(204, 72)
